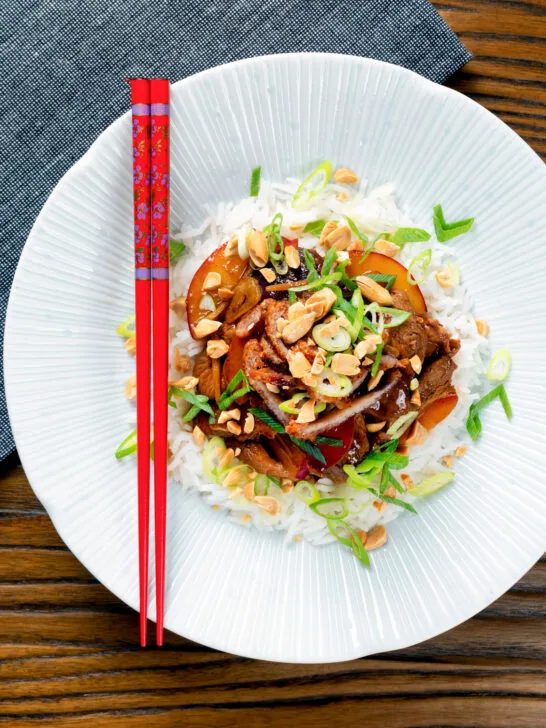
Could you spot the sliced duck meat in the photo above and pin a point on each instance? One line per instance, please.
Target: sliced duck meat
(407, 340)
(436, 379)
(253, 362)
(369, 402)
(273, 311)
(289, 455)
(226, 332)
(255, 455)
(307, 347)
(269, 353)
(438, 338)
(251, 324)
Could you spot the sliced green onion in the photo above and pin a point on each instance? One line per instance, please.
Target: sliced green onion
(342, 387)
(269, 420)
(354, 229)
(360, 481)
(473, 423)
(432, 484)
(292, 297)
(382, 278)
(400, 425)
(334, 508)
(261, 485)
(315, 228)
(231, 393)
(127, 328)
(329, 260)
(331, 441)
(423, 259)
(199, 402)
(289, 406)
(313, 184)
(311, 266)
(319, 282)
(447, 230)
(340, 341)
(348, 537)
(394, 501)
(306, 492)
(500, 365)
(308, 447)
(255, 181)
(396, 316)
(129, 446)
(212, 454)
(176, 248)
(409, 235)
(377, 360)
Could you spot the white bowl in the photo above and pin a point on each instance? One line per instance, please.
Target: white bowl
(231, 587)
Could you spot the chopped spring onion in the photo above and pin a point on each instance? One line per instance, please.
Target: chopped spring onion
(308, 447)
(394, 501)
(207, 303)
(292, 298)
(329, 260)
(231, 393)
(212, 453)
(319, 282)
(348, 537)
(176, 248)
(432, 484)
(129, 446)
(311, 266)
(396, 317)
(354, 229)
(447, 230)
(340, 341)
(409, 235)
(383, 278)
(290, 405)
(423, 259)
(255, 181)
(332, 441)
(261, 485)
(377, 360)
(315, 228)
(334, 508)
(127, 328)
(198, 401)
(400, 425)
(306, 492)
(332, 384)
(313, 184)
(473, 423)
(275, 245)
(360, 481)
(500, 365)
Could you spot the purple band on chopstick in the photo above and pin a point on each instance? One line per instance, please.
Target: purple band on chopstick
(160, 273)
(141, 109)
(160, 109)
(142, 274)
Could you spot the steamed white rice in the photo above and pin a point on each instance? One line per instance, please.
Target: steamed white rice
(373, 212)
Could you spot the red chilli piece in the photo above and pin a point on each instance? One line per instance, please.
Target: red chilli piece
(159, 100)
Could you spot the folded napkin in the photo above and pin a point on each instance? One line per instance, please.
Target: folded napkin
(63, 65)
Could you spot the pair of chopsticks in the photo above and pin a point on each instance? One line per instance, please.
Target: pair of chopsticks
(150, 132)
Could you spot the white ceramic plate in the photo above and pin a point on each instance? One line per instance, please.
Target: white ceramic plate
(232, 587)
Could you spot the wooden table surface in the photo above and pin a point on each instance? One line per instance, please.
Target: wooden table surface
(68, 648)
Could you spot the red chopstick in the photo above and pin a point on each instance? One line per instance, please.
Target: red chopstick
(140, 99)
(159, 100)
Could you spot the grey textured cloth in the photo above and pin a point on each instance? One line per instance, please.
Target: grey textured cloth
(63, 65)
